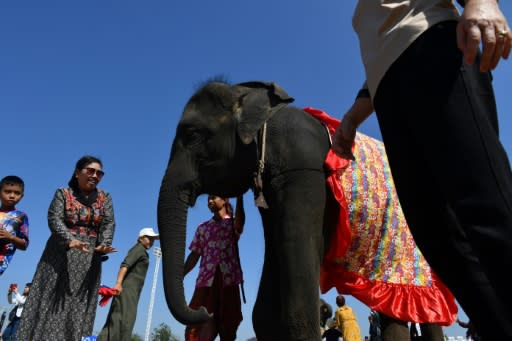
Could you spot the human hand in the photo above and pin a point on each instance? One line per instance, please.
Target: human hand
(4, 234)
(119, 288)
(105, 249)
(343, 138)
(483, 21)
(79, 245)
(13, 288)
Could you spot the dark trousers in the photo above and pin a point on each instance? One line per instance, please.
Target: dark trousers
(439, 124)
(9, 333)
(225, 305)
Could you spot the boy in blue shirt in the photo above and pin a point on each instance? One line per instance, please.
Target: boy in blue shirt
(13, 223)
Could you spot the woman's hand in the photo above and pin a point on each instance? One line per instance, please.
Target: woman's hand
(79, 245)
(104, 249)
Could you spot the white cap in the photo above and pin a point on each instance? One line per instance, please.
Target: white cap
(148, 231)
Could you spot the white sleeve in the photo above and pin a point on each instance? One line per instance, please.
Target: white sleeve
(16, 298)
(20, 298)
(10, 298)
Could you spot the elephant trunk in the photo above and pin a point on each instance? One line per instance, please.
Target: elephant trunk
(172, 217)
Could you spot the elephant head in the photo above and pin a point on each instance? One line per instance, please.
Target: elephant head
(214, 151)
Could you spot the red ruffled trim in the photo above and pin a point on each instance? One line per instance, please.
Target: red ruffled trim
(421, 304)
(434, 304)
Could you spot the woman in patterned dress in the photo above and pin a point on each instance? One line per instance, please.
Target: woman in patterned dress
(64, 292)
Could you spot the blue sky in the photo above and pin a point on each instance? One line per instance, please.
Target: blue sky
(110, 78)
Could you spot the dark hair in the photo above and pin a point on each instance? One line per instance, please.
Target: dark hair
(229, 208)
(81, 164)
(340, 300)
(12, 180)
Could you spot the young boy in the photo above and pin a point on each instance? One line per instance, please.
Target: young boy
(13, 223)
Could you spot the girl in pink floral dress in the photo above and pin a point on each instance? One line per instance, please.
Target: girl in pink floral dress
(217, 285)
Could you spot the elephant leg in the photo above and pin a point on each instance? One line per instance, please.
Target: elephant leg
(394, 330)
(300, 198)
(266, 312)
(431, 332)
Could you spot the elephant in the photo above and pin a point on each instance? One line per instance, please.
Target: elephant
(247, 136)
(325, 313)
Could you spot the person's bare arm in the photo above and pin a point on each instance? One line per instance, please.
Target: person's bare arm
(345, 133)
(483, 22)
(120, 278)
(17, 241)
(191, 261)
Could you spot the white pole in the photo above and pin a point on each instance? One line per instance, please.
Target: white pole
(158, 254)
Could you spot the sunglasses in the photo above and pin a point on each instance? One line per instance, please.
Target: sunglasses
(91, 171)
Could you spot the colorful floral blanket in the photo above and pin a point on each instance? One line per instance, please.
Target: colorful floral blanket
(373, 256)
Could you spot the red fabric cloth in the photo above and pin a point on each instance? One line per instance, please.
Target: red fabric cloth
(422, 299)
(106, 294)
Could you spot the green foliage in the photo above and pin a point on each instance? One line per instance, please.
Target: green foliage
(163, 333)
(136, 337)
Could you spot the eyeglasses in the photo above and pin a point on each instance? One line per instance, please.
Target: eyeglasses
(91, 171)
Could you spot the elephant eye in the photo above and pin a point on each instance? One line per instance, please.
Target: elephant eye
(192, 137)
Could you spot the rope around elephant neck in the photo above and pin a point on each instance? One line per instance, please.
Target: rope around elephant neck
(259, 200)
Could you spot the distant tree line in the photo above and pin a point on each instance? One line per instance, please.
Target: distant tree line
(160, 333)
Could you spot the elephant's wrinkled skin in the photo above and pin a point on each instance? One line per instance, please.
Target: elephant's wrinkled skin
(215, 151)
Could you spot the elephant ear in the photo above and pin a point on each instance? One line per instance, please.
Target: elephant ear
(257, 102)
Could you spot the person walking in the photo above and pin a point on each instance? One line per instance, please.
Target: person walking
(432, 92)
(130, 280)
